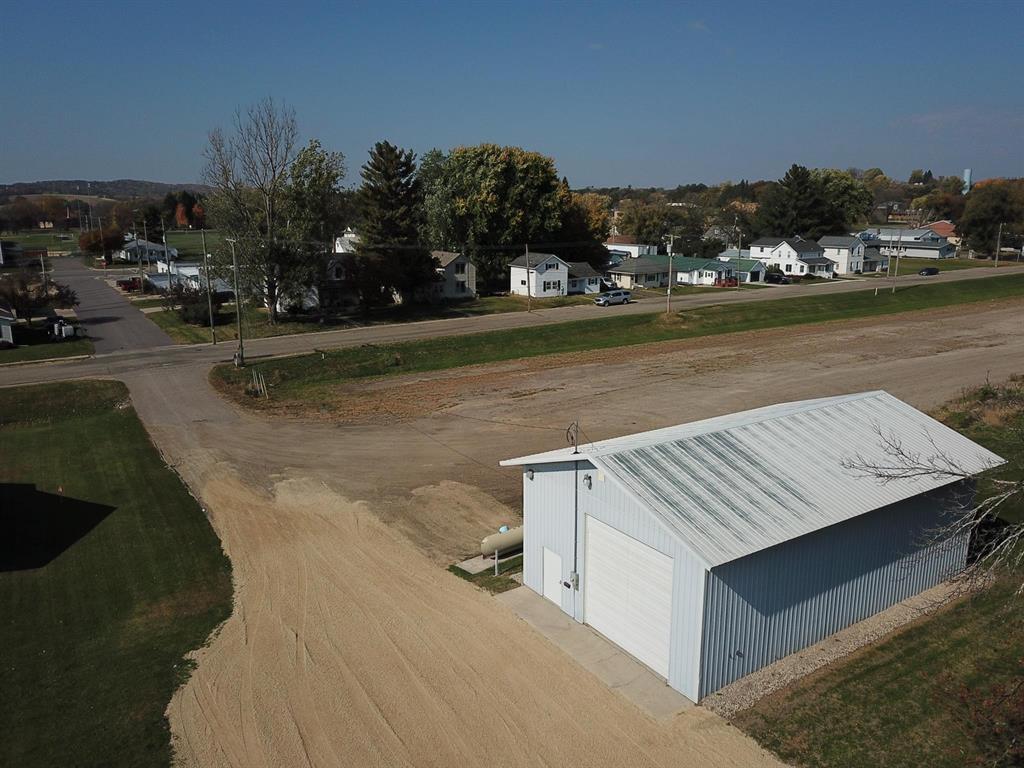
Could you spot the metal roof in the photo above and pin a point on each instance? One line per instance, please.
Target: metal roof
(734, 485)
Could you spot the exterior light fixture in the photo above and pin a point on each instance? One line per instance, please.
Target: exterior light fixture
(529, 474)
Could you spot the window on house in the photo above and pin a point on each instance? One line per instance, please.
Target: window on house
(551, 265)
(460, 268)
(522, 282)
(789, 267)
(802, 269)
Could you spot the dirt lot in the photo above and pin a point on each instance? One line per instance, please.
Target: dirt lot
(349, 643)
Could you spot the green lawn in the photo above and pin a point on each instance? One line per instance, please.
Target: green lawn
(901, 702)
(109, 574)
(308, 378)
(190, 242)
(255, 325)
(492, 305)
(148, 303)
(50, 239)
(913, 266)
(34, 344)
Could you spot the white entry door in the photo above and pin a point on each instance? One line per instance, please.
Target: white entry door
(628, 593)
(553, 577)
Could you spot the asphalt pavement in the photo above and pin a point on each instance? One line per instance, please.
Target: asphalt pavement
(113, 323)
(114, 358)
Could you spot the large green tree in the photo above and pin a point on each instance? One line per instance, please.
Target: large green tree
(390, 253)
(586, 220)
(798, 205)
(850, 196)
(492, 201)
(988, 205)
(646, 223)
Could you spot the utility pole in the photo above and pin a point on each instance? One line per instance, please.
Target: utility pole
(145, 239)
(103, 243)
(899, 246)
(739, 257)
(163, 229)
(529, 280)
(142, 275)
(668, 292)
(240, 353)
(999, 242)
(209, 293)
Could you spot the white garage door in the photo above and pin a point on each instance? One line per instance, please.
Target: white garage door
(628, 593)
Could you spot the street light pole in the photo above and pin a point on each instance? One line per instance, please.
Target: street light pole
(999, 242)
(240, 353)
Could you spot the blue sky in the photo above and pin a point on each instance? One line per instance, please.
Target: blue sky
(617, 93)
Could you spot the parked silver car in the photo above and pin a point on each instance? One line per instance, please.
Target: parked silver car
(608, 298)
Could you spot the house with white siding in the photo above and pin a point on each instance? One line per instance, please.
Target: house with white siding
(793, 256)
(540, 275)
(711, 549)
(137, 249)
(845, 251)
(747, 270)
(456, 277)
(8, 318)
(583, 278)
(624, 244)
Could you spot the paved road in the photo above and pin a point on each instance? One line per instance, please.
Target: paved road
(133, 356)
(114, 325)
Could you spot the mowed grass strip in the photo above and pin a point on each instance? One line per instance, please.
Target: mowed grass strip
(897, 703)
(109, 575)
(34, 344)
(302, 378)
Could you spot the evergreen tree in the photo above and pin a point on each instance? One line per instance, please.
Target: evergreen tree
(390, 253)
(798, 205)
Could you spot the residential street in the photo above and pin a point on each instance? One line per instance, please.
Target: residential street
(132, 358)
(113, 324)
(350, 643)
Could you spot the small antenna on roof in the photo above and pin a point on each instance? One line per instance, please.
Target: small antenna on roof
(572, 436)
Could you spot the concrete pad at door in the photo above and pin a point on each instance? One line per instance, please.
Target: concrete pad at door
(609, 663)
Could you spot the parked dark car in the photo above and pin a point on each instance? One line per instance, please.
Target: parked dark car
(929, 271)
(777, 278)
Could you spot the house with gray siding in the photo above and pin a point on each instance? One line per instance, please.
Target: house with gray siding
(711, 549)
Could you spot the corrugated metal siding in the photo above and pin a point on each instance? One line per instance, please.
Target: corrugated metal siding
(736, 484)
(766, 606)
(548, 522)
(608, 503)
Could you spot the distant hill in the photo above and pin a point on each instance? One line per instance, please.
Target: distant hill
(118, 188)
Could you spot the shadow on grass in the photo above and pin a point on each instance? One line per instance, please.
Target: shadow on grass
(36, 527)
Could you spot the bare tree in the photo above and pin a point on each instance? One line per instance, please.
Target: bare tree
(997, 544)
(249, 171)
